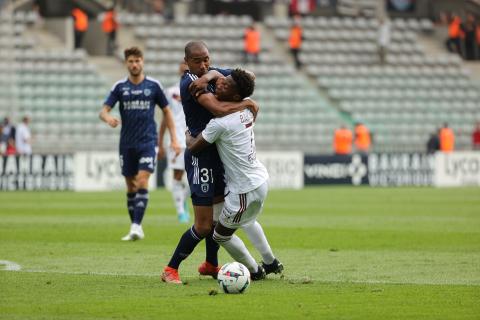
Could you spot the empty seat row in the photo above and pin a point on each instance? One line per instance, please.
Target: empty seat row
(187, 33)
(351, 23)
(347, 35)
(407, 94)
(388, 71)
(464, 107)
(215, 21)
(49, 67)
(61, 91)
(11, 29)
(20, 17)
(16, 42)
(179, 45)
(84, 103)
(45, 56)
(148, 20)
(359, 46)
(66, 79)
(412, 82)
(217, 57)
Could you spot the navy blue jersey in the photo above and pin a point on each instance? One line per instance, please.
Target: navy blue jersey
(196, 116)
(137, 110)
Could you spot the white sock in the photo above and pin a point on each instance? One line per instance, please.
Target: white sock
(186, 190)
(257, 237)
(178, 194)
(236, 248)
(217, 209)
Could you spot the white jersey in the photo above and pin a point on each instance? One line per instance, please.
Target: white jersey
(22, 139)
(173, 97)
(235, 140)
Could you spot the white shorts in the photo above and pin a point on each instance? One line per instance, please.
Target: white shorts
(242, 209)
(176, 163)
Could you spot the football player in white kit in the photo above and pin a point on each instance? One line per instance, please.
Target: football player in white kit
(245, 175)
(180, 189)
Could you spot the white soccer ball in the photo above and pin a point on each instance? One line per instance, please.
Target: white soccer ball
(233, 277)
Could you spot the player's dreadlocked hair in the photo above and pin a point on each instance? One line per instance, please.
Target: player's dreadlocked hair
(245, 82)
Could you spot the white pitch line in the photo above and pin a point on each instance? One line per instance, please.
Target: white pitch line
(10, 266)
(286, 279)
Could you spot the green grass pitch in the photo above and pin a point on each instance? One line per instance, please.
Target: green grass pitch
(349, 253)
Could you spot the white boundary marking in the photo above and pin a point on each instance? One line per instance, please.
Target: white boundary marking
(10, 266)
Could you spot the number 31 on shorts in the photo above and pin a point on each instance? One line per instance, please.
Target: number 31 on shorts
(206, 175)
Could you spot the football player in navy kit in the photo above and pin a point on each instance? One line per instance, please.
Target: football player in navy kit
(204, 170)
(137, 95)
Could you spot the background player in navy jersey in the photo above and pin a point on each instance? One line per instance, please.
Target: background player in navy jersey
(204, 170)
(138, 95)
(246, 176)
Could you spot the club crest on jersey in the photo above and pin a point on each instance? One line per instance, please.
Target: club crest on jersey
(147, 92)
(204, 187)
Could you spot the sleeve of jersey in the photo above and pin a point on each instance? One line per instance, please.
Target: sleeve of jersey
(112, 98)
(184, 84)
(161, 99)
(212, 131)
(225, 72)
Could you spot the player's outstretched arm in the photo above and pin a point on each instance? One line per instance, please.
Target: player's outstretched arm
(161, 134)
(223, 108)
(106, 117)
(197, 144)
(200, 84)
(168, 116)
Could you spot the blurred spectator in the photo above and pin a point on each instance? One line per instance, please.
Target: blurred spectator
(476, 137)
(447, 139)
(342, 141)
(2, 145)
(23, 137)
(110, 26)
(455, 34)
(433, 143)
(301, 7)
(384, 35)
(251, 40)
(477, 39)
(363, 139)
(80, 19)
(7, 137)
(295, 42)
(158, 6)
(469, 29)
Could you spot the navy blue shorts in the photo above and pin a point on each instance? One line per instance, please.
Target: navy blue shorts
(134, 159)
(205, 175)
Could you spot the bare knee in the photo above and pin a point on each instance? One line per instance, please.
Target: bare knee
(177, 174)
(131, 184)
(203, 230)
(142, 179)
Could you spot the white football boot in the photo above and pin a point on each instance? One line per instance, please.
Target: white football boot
(136, 233)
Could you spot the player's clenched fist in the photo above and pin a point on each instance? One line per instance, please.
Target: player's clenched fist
(113, 122)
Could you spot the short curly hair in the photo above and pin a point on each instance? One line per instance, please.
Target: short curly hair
(133, 51)
(244, 81)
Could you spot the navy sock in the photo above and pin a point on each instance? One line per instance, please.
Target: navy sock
(131, 204)
(141, 202)
(211, 249)
(187, 243)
